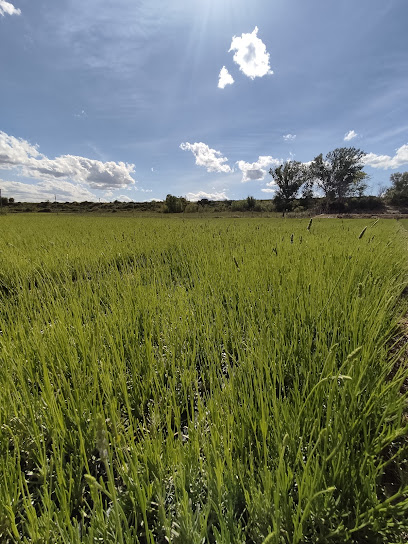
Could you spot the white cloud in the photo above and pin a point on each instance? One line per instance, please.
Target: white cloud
(123, 198)
(350, 135)
(18, 153)
(8, 9)
(251, 55)
(257, 170)
(385, 161)
(96, 174)
(211, 159)
(289, 137)
(14, 151)
(81, 115)
(211, 196)
(225, 78)
(45, 190)
(269, 190)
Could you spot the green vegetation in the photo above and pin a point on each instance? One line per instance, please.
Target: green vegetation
(186, 380)
(397, 194)
(340, 174)
(306, 204)
(289, 178)
(175, 204)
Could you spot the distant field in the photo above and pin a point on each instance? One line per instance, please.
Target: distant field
(201, 380)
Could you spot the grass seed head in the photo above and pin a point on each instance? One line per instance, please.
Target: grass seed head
(362, 233)
(360, 290)
(101, 439)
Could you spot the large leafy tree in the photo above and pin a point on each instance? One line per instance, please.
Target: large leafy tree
(398, 192)
(175, 204)
(289, 177)
(340, 173)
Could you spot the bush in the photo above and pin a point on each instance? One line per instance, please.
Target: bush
(175, 204)
(238, 205)
(366, 203)
(355, 205)
(192, 207)
(249, 204)
(282, 204)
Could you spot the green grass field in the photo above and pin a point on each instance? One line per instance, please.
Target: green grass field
(201, 381)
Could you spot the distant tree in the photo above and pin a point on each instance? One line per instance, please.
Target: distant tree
(398, 192)
(175, 204)
(399, 182)
(251, 203)
(289, 177)
(11, 200)
(340, 174)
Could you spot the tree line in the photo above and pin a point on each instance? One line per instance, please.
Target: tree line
(337, 176)
(333, 179)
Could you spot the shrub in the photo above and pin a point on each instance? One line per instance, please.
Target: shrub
(192, 207)
(175, 204)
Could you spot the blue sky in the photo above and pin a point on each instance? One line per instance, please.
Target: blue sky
(124, 100)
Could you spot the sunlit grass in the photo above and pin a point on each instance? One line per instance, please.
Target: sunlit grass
(192, 380)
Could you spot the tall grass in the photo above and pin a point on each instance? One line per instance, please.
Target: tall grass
(192, 381)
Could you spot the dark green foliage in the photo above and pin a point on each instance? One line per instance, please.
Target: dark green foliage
(289, 177)
(397, 194)
(340, 174)
(363, 204)
(175, 204)
(248, 205)
(251, 203)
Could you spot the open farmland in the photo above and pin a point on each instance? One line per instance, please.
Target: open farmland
(201, 381)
